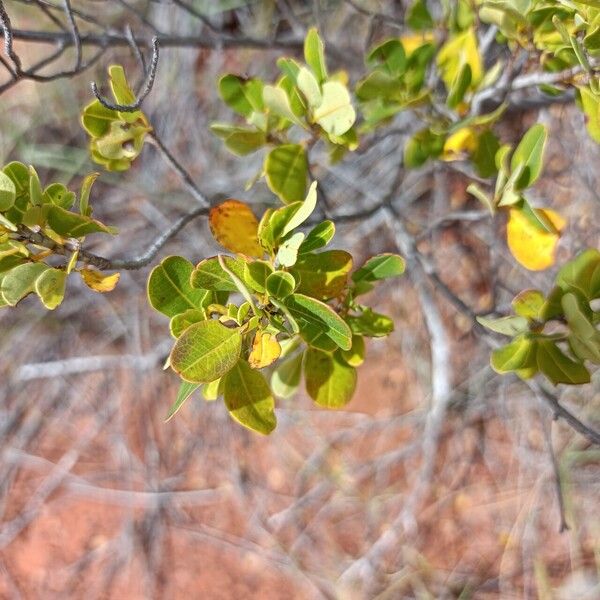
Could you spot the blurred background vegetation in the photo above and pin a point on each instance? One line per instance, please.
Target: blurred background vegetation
(394, 497)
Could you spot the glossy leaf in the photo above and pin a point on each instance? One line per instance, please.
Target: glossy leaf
(248, 398)
(330, 382)
(320, 326)
(371, 324)
(180, 322)
(71, 224)
(286, 170)
(256, 273)
(288, 250)
(280, 284)
(356, 355)
(209, 275)
(318, 237)
(206, 351)
(243, 96)
(169, 288)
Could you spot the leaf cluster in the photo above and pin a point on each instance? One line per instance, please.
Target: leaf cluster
(116, 138)
(557, 334)
(281, 302)
(40, 236)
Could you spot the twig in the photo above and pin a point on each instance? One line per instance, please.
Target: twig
(149, 83)
(75, 33)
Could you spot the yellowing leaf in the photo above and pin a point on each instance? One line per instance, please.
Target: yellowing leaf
(460, 50)
(415, 40)
(265, 350)
(235, 227)
(99, 282)
(528, 243)
(460, 143)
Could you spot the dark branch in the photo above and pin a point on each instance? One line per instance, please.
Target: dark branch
(150, 76)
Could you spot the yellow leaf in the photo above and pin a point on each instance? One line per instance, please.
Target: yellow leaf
(99, 282)
(415, 40)
(265, 350)
(460, 50)
(532, 247)
(460, 143)
(235, 227)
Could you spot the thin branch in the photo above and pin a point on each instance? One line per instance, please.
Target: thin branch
(75, 34)
(150, 76)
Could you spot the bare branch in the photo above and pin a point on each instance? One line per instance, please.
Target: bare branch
(150, 76)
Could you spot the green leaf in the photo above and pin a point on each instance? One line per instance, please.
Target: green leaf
(278, 103)
(309, 87)
(169, 288)
(584, 338)
(286, 377)
(320, 326)
(421, 146)
(389, 58)
(180, 322)
(323, 275)
(20, 281)
(582, 275)
(379, 267)
(330, 382)
(280, 284)
(58, 194)
(482, 196)
(518, 354)
(186, 389)
(70, 224)
(485, 153)
(314, 54)
(211, 391)
(206, 351)
(8, 192)
(96, 119)
(459, 87)
(318, 237)
(238, 282)
(286, 170)
(288, 250)
(248, 398)
(558, 367)
(256, 273)
(84, 198)
(530, 153)
(50, 287)
(304, 210)
(239, 140)
(529, 304)
(209, 275)
(35, 187)
(335, 114)
(356, 355)
(591, 107)
(242, 96)
(370, 324)
(505, 325)
(418, 17)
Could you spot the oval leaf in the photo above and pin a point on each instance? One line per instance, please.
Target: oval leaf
(235, 227)
(248, 398)
(330, 382)
(206, 351)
